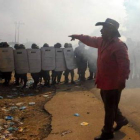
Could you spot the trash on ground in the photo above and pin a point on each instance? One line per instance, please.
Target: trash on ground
(66, 132)
(13, 107)
(9, 118)
(11, 129)
(10, 96)
(1, 97)
(19, 104)
(22, 107)
(4, 109)
(76, 114)
(20, 129)
(84, 123)
(45, 95)
(20, 123)
(31, 103)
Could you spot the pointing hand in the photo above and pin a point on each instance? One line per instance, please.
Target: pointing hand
(72, 37)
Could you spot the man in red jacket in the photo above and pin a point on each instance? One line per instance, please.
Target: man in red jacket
(112, 72)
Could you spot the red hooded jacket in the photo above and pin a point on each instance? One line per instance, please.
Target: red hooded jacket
(112, 63)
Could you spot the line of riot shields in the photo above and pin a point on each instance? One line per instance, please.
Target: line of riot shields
(34, 61)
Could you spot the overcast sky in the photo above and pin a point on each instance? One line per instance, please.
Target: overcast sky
(51, 21)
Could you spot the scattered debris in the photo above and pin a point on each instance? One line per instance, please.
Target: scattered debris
(45, 95)
(4, 109)
(13, 107)
(31, 103)
(19, 104)
(76, 114)
(66, 132)
(9, 118)
(11, 129)
(10, 96)
(22, 107)
(1, 97)
(16, 114)
(20, 129)
(84, 123)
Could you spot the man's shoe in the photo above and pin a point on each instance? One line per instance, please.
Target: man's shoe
(119, 126)
(105, 136)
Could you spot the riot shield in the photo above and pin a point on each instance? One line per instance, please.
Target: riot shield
(6, 59)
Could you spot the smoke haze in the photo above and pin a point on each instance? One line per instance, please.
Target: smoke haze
(132, 20)
(52, 21)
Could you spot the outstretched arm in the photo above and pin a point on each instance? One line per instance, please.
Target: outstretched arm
(88, 40)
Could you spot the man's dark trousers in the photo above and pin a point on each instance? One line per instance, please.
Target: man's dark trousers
(111, 100)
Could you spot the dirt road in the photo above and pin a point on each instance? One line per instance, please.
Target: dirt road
(80, 99)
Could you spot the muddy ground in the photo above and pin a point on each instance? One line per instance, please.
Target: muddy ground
(30, 121)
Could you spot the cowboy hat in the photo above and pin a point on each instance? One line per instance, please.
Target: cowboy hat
(112, 23)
